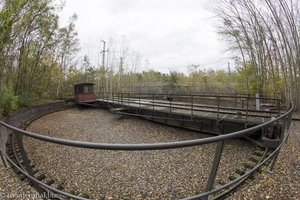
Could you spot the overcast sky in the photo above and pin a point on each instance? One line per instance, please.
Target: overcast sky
(170, 34)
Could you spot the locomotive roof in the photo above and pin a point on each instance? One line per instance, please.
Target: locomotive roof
(84, 84)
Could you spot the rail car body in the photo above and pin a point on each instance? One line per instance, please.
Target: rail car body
(84, 93)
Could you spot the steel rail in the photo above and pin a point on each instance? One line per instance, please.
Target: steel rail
(183, 105)
(244, 176)
(33, 179)
(158, 146)
(146, 146)
(199, 95)
(209, 108)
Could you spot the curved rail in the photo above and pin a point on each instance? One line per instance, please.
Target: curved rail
(283, 120)
(146, 146)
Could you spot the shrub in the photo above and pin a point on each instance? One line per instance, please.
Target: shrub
(8, 102)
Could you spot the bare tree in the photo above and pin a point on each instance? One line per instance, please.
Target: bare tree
(266, 34)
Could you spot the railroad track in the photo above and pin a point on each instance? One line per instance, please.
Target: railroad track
(257, 156)
(13, 151)
(17, 155)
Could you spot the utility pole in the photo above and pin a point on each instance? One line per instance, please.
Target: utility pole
(104, 50)
(120, 75)
(229, 71)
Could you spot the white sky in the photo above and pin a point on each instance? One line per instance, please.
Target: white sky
(170, 34)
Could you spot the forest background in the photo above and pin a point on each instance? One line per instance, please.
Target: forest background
(38, 59)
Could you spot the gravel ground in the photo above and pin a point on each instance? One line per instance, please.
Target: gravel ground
(166, 174)
(12, 188)
(284, 183)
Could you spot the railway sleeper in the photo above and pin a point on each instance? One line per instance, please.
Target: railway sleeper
(217, 185)
(74, 192)
(48, 181)
(239, 171)
(255, 158)
(258, 153)
(83, 195)
(233, 177)
(51, 182)
(246, 167)
(35, 171)
(40, 176)
(249, 165)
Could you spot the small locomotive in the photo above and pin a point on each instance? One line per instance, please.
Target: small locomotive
(84, 93)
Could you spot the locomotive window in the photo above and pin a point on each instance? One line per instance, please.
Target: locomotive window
(79, 90)
(86, 89)
(91, 89)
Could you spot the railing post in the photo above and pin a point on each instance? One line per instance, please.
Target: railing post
(4, 133)
(218, 99)
(26, 162)
(3, 159)
(278, 107)
(129, 99)
(122, 100)
(152, 104)
(282, 131)
(139, 101)
(248, 96)
(192, 106)
(215, 166)
(170, 113)
(288, 123)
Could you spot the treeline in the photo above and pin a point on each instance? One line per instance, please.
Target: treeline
(35, 53)
(265, 35)
(197, 80)
(38, 57)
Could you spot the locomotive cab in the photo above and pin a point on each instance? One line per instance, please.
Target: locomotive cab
(84, 92)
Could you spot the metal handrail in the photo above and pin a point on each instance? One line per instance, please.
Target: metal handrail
(196, 107)
(52, 189)
(185, 98)
(248, 173)
(169, 145)
(199, 95)
(145, 146)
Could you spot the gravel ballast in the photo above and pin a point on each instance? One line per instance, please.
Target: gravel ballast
(284, 182)
(11, 187)
(164, 174)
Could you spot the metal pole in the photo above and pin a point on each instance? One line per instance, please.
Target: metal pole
(4, 133)
(139, 101)
(3, 160)
(215, 166)
(278, 107)
(129, 99)
(122, 100)
(257, 101)
(170, 113)
(26, 163)
(287, 127)
(247, 110)
(152, 104)
(192, 106)
(281, 139)
(218, 98)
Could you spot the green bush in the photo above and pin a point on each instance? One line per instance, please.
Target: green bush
(8, 102)
(25, 101)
